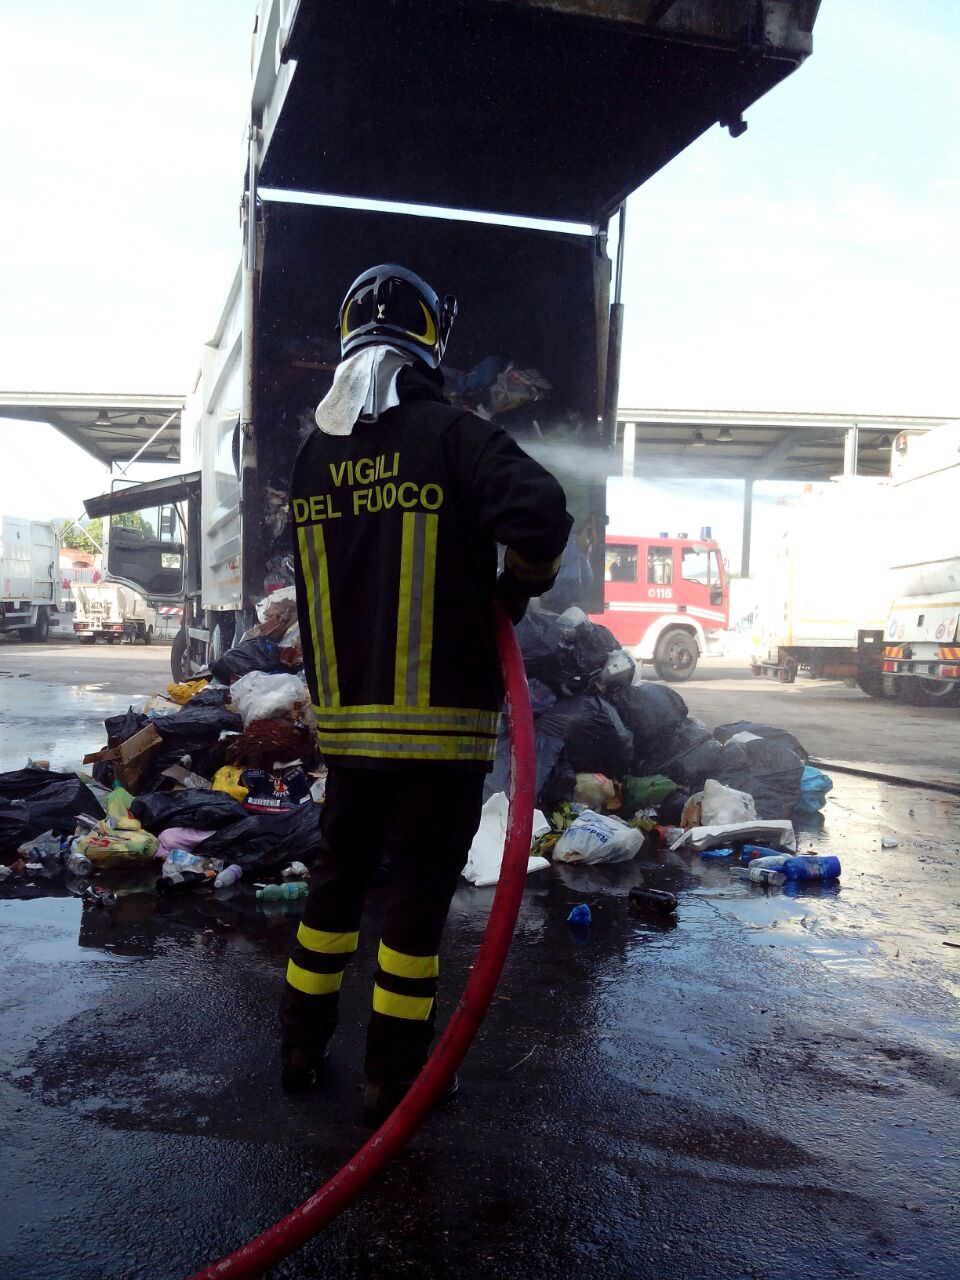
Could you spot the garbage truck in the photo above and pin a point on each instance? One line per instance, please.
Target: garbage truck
(490, 146)
(828, 586)
(30, 583)
(921, 640)
(108, 611)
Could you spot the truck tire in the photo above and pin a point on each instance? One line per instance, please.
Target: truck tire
(40, 633)
(919, 692)
(871, 683)
(89, 639)
(148, 635)
(675, 658)
(178, 656)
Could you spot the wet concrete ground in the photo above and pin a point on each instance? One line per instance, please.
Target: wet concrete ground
(767, 1089)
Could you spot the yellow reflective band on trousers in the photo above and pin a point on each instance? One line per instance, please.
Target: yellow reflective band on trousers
(329, 944)
(418, 572)
(313, 562)
(412, 1008)
(403, 966)
(313, 984)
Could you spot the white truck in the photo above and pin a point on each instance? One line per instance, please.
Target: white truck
(108, 611)
(29, 577)
(492, 151)
(829, 583)
(921, 644)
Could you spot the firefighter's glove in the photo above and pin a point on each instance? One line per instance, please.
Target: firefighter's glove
(513, 595)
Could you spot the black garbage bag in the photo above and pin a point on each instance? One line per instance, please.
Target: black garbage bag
(689, 755)
(214, 695)
(768, 769)
(539, 635)
(594, 737)
(21, 784)
(554, 775)
(192, 732)
(560, 783)
(120, 728)
(54, 807)
(651, 711)
(204, 810)
(268, 840)
(14, 822)
(583, 654)
(258, 654)
(724, 731)
(542, 696)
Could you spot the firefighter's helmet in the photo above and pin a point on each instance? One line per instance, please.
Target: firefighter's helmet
(391, 304)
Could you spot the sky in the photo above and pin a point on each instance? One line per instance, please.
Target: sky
(811, 264)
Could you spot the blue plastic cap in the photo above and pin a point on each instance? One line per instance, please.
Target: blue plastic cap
(580, 914)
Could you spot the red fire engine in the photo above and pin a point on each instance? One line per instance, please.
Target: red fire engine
(664, 597)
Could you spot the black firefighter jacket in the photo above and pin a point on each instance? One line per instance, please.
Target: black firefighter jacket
(395, 533)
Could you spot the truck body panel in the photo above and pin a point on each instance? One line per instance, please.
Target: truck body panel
(829, 581)
(544, 114)
(921, 655)
(30, 583)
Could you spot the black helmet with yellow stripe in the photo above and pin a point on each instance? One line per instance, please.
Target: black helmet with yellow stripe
(391, 304)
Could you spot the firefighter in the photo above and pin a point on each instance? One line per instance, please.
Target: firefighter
(399, 501)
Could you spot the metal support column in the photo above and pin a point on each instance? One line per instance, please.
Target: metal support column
(851, 450)
(629, 448)
(747, 527)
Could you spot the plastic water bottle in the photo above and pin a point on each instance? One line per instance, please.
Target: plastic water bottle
(812, 866)
(768, 870)
(766, 875)
(78, 864)
(293, 889)
(748, 852)
(228, 876)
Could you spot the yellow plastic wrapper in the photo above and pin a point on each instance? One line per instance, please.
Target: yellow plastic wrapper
(184, 692)
(228, 779)
(118, 803)
(111, 848)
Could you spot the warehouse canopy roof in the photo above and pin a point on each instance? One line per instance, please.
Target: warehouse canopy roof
(111, 428)
(747, 445)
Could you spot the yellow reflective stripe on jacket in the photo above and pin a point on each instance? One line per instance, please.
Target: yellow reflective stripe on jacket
(425, 656)
(330, 944)
(401, 965)
(313, 560)
(402, 746)
(398, 718)
(418, 571)
(413, 1008)
(403, 606)
(313, 984)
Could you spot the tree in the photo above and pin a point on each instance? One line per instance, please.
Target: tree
(90, 536)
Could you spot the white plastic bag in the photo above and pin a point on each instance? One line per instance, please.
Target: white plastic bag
(722, 804)
(284, 593)
(259, 695)
(486, 852)
(776, 833)
(596, 837)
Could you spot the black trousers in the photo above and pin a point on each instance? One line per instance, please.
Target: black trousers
(424, 821)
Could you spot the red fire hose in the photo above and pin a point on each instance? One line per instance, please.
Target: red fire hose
(274, 1244)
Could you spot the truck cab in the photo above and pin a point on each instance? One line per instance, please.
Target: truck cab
(664, 598)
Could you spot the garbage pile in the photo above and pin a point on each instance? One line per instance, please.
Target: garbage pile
(216, 778)
(622, 767)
